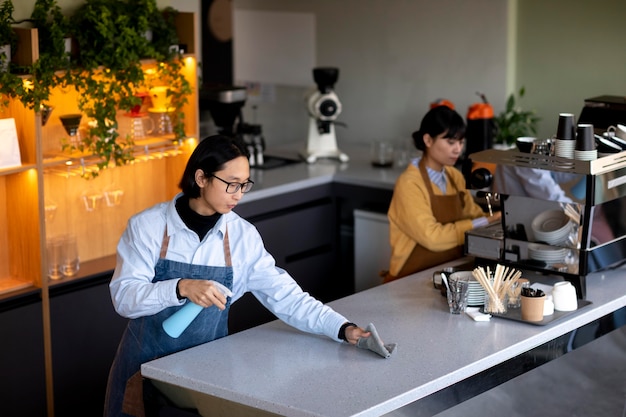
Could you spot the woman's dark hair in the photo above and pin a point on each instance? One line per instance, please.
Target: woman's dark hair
(210, 156)
(438, 120)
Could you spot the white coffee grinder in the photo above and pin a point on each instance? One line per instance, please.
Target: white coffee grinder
(323, 106)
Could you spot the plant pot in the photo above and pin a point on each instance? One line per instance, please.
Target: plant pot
(4, 64)
(69, 43)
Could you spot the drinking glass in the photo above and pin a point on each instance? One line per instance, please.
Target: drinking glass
(71, 262)
(457, 295)
(55, 253)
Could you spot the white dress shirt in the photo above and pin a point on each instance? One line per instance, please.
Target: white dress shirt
(135, 295)
(531, 182)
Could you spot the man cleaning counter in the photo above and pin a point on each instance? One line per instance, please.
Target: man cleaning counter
(274, 369)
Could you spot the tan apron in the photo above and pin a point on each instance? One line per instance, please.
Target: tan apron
(446, 209)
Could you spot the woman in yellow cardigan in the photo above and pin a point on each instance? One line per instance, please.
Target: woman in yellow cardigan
(431, 209)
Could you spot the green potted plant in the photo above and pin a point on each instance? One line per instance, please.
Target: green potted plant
(54, 33)
(112, 44)
(514, 122)
(10, 84)
(8, 37)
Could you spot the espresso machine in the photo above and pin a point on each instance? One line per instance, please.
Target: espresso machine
(323, 107)
(573, 238)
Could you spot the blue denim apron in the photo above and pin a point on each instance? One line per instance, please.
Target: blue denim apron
(144, 339)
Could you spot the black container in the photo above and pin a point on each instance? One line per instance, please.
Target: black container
(479, 135)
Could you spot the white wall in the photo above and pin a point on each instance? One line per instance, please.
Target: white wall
(394, 57)
(568, 51)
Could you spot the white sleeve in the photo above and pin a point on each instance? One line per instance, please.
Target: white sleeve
(539, 183)
(281, 294)
(132, 291)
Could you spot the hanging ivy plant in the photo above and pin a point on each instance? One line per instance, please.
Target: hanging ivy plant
(112, 40)
(7, 34)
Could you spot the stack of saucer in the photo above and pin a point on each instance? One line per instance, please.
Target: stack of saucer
(551, 226)
(545, 253)
(476, 293)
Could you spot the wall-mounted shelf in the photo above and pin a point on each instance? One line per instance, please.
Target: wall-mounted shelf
(48, 173)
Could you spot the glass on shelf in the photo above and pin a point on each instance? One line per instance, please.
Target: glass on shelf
(71, 261)
(162, 121)
(113, 195)
(91, 199)
(141, 125)
(50, 208)
(54, 249)
(46, 112)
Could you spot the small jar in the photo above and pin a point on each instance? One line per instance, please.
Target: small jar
(498, 306)
(515, 292)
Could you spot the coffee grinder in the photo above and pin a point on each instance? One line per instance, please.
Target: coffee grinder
(323, 106)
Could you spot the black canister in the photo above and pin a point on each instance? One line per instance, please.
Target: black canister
(480, 128)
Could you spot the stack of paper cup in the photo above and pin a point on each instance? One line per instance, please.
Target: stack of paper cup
(585, 143)
(565, 140)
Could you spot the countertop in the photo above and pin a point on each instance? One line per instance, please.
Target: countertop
(566, 386)
(276, 368)
(297, 176)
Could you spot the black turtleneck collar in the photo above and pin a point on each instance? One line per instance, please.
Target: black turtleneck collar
(196, 222)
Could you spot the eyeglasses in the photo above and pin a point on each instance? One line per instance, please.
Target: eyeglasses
(233, 187)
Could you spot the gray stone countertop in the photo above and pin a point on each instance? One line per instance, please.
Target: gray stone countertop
(276, 368)
(294, 177)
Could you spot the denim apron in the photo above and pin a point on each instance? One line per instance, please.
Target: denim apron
(144, 339)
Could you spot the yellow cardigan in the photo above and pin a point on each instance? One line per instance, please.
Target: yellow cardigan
(411, 219)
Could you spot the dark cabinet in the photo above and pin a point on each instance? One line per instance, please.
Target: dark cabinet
(307, 231)
(302, 241)
(310, 234)
(299, 229)
(85, 332)
(22, 365)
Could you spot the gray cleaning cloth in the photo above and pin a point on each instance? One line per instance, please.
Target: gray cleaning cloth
(375, 344)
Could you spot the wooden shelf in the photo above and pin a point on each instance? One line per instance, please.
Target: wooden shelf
(16, 170)
(10, 285)
(50, 178)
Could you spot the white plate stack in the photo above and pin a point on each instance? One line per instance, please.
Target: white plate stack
(545, 253)
(552, 227)
(476, 293)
